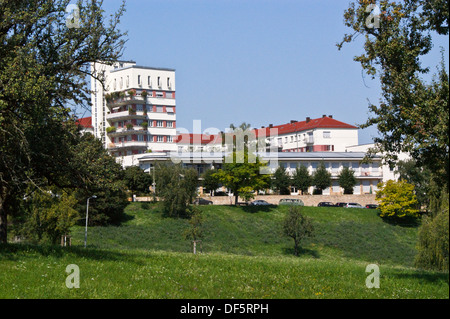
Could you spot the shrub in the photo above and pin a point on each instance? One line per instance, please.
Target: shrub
(347, 180)
(397, 199)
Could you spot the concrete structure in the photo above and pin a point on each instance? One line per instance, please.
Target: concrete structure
(135, 112)
(367, 175)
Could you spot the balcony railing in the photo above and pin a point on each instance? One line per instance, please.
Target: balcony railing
(127, 144)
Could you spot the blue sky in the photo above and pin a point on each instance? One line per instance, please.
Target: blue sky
(256, 61)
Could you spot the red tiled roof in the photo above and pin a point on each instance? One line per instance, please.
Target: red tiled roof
(198, 139)
(323, 122)
(85, 122)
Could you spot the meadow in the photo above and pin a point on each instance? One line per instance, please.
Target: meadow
(244, 255)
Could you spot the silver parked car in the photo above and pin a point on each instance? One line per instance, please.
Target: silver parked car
(259, 202)
(354, 205)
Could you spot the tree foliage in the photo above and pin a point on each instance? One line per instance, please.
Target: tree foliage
(136, 180)
(44, 67)
(321, 178)
(241, 173)
(301, 179)
(210, 181)
(281, 181)
(347, 180)
(176, 187)
(397, 199)
(412, 114)
(297, 226)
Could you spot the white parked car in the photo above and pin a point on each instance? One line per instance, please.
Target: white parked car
(354, 205)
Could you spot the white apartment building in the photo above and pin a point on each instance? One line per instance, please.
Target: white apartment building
(323, 134)
(135, 112)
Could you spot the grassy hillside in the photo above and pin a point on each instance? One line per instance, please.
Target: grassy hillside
(257, 231)
(245, 256)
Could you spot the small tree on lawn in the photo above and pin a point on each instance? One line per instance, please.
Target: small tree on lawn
(210, 181)
(301, 179)
(397, 199)
(347, 180)
(195, 230)
(321, 178)
(297, 226)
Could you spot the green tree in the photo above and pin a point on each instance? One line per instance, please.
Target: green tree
(241, 173)
(297, 226)
(176, 186)
(397, 199)
(301, 179)
(347, 180)
(412, 114)
(420, 177)
(137, 180)
(44, 66)
(281, 181)
(98, 173)
(321, 178)
(210, 181)
(195, 230)
(433, 242)
(46, 215)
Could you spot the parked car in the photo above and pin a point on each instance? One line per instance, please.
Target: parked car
(372, 206)
(325, 204)
(259, 202)
(341, 204)
(291, 201)
(202, 201)
(354, 205)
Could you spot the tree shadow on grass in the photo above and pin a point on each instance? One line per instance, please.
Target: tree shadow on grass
(432, 277)
(303, 252)
(21, 251)
(258, 208)
(407, 221)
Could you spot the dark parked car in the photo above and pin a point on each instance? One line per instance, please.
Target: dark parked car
(341, 204)
(372, 206)
(202, 201)
(259, 202)
(326, 204)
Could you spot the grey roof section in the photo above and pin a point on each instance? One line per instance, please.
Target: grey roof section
(142, 67)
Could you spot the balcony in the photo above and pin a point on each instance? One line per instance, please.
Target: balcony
(125, 115)
(127, 144)
(308, 140)
(138, 98)
(122, 131)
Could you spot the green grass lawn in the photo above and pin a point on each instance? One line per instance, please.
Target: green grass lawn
(245, 255)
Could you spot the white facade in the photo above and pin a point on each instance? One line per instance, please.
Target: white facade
(134, 124)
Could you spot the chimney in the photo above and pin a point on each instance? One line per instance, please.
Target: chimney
(324, 115)
(293, 121)
(262, 126)
(270, 125)
(308, 119)
(330, 116)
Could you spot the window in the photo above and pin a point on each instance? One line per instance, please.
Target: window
(169, 109)
(128, 80)
(159, 109)
(160, 138)
(170, 138)
(149, 80)
(169, 124)
(159, 81)
(280, 140)
(285, 139)
(159, 124)
(121, 82)
(168, 82)
(326, 134)
(140, 138)
(139, 80)
(159, 94)
(139, 107)
(115, 84)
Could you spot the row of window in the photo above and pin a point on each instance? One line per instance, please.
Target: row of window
(145, 107)
(159, 82)
(150, 123)
(334, 166)
(304, 137)
(144, 138)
